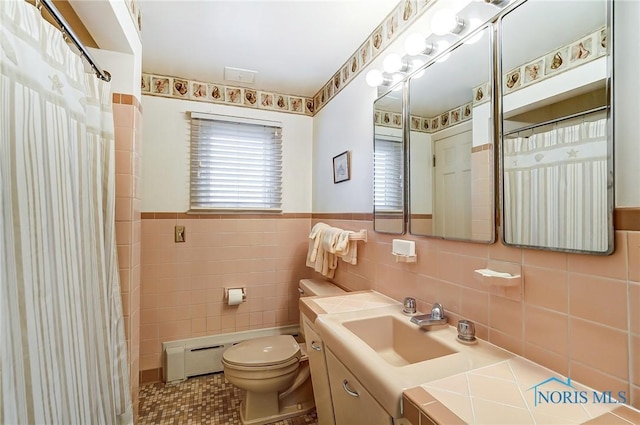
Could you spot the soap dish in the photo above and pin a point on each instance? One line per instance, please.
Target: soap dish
(400, 258)
(492, 277)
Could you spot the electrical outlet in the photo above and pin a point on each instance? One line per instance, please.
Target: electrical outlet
(180, 233)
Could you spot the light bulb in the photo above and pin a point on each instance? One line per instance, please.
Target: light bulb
(415, 44)
(444, 21)
(442, 46)
(392, 63)
(374, 78)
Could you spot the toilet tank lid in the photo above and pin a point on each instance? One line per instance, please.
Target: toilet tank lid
(320, 287)
(263, 351)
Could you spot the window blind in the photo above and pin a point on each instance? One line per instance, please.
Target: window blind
(387, 175)
(235, 165)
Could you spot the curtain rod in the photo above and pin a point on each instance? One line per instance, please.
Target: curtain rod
(68, 32)
(553, 121)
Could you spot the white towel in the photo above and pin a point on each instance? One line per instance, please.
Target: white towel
(326, 245)
(318, 258)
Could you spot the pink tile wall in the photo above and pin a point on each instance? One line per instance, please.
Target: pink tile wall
(128, 127)
(576, 314)
(183, 283)
(482, 195)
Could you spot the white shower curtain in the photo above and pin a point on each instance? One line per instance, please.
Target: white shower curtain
(555, 188)
(63, 353)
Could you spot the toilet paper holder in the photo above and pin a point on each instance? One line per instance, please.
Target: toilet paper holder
(226, 294)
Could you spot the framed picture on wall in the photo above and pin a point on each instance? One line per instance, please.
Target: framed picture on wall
(341, 170)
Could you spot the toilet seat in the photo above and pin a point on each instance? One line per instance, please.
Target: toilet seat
(264, 352)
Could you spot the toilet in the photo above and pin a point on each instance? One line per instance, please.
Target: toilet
(274, 370)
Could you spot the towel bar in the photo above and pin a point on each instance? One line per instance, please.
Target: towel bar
(359, 236)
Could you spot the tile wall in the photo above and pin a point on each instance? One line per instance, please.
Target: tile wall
(127, 115)
(481, 193)
(576, 314)
(183, 283)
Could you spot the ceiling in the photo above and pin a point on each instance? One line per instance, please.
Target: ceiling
(295, 46)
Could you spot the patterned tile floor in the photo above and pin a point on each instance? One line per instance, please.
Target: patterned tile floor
(208, 399)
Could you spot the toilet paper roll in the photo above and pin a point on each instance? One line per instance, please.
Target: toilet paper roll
(234, 297)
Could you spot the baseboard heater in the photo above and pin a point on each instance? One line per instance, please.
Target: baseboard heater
(199, 356)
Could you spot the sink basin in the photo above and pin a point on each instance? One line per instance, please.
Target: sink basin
(388, 354)
(398, 342)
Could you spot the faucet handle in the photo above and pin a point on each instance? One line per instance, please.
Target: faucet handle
(437, 311)
(466, 331)
(409, 306)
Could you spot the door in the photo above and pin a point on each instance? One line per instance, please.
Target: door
(452, 212)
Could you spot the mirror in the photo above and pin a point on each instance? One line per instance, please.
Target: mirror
(556, 151)
(388, 163)
(451, 156)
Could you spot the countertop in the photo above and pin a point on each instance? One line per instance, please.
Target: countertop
(511, 391)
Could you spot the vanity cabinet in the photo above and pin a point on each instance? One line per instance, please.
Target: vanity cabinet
(319, 375)
(352, 403)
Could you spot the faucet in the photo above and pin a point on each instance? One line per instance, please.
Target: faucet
(436, 317)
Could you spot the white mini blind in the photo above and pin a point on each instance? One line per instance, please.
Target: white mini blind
(387, 175)
(235, 165)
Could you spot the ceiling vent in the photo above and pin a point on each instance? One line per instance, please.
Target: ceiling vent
(239, 75)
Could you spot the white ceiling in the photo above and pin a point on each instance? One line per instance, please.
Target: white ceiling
(294, 45)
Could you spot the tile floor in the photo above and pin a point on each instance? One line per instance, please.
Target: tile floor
(208, 399)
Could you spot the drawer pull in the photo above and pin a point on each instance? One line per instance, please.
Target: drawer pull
(315, 346)
(345, 385)
(301, 291)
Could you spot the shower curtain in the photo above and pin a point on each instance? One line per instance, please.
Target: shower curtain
(555, 188)
(63, 353)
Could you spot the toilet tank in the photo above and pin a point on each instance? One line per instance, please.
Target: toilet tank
(317, 287)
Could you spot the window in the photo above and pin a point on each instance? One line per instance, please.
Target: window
(387, 175)
(236, 164)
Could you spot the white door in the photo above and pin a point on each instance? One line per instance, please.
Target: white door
(452, 171)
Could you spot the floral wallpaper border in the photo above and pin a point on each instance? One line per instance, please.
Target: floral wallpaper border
(179, 88)
(585, 50)
(403, 15)
(447, 119)
(136, 14)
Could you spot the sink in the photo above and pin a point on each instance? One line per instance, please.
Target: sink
(388, 354)
(398, 342)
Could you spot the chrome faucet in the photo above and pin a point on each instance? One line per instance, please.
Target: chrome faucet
(436, 317)
(437, 312)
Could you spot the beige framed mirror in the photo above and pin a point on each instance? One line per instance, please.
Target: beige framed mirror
(556, 125)
(389, 162)
(451, 150)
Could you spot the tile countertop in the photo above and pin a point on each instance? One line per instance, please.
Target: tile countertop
(502, 393)
(351, 301)
(515, 391)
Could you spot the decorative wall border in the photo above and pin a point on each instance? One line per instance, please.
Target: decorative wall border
(180, 88)
(584, 50)
(481, 94)
(136, 15)
(402, 16)
(447, 119)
